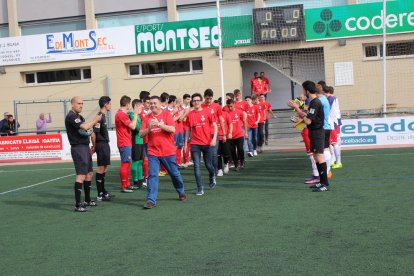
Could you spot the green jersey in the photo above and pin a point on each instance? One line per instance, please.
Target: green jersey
(136, 139)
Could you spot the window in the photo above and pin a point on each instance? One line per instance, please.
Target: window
(188, 66)
(57, 76)
(52, 26)
(233, 8)
(108, 21)
(394, 49)
(4, 30)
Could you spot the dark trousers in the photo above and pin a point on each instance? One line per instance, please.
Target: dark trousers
(260, 135)
(223, 153)
(266, 129)
(236, 149)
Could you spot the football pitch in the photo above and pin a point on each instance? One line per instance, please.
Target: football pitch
(261, 221)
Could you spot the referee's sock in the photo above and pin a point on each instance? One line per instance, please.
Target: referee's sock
(99, 183)
(103, 183)
(323, 174)
(87, 190)
(78, 192)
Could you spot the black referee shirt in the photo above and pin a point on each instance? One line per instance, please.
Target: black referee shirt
(316, 114)
(73, 122)
(101, 130)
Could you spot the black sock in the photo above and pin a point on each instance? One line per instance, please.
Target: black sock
(78, 192)
(322, 169)
(99, 181)
(87, 190)
(103, 184)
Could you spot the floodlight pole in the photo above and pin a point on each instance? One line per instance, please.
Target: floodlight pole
(220, 52)
(384, 56)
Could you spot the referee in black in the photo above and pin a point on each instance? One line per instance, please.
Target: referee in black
(100, 145)
(78, 132)
(314, 120)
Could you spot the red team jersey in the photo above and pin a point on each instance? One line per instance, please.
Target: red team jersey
(261, 112)
(252, 114)
(266, 106)
(235, 117)
(215, 110)
(242, 105)
(160, 142)
(200, 123)
(259, 88)
(123, 133)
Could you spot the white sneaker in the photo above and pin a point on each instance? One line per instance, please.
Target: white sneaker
(220, 173)
(189, 164)
(226, 168)
(250, 154)
(255, 152)
(200, 193)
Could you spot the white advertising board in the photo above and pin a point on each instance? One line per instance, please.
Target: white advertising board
(86, 44)
(391, 131)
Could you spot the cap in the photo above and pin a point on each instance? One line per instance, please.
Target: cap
(6, 113)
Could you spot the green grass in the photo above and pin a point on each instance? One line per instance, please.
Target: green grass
(262, 221)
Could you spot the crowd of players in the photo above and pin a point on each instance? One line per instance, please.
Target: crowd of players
(157, 136)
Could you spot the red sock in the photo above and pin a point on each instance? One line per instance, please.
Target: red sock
(128, 169)
(123, 172)
(178, 156)
(145, 167)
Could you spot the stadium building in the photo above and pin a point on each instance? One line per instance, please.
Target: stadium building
(52, 50)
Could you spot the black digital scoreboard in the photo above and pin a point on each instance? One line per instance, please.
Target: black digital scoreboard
(278, 24)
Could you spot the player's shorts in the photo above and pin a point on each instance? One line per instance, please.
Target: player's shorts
(103, 153)
(82, 159)
(137, 153)
(327, 136)
(179, 140)
(317, 140)
(334, 137)
(306, 140)
(125, 153)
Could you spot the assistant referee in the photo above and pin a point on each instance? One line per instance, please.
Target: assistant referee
(78, 132)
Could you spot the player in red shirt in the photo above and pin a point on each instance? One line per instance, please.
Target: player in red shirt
(124, 141)
(238, 101)
(237, 133)
(216, 111)
(260, 130)
(253, 119)
(259, 87)
(266, 81)
(267, 108)
(253, 81)
(223, 153)
(200, 122)
(146, 110)
(159, 127)
(187, 107)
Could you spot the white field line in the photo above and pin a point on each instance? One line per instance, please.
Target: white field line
(37, 184)
(36, 170)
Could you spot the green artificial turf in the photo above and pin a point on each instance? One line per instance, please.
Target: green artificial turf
(261, 221)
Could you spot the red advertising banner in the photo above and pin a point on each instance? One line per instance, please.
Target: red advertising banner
(20, 148)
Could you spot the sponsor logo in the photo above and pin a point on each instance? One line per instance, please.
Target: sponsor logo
(360, 127)
(242, 41)
(327, 25)
(70, 43)
(359, 140)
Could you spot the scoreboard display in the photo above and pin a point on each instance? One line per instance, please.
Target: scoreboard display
(278, 24)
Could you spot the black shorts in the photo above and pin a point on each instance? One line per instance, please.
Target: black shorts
(82, 159)
(137, 152)
(317, 140)
(327, 136)
(103, 153)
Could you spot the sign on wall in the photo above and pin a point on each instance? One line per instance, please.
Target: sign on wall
(193, 35)
(378, 131)
(125, 41)
(67, 46)
(359, 20)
